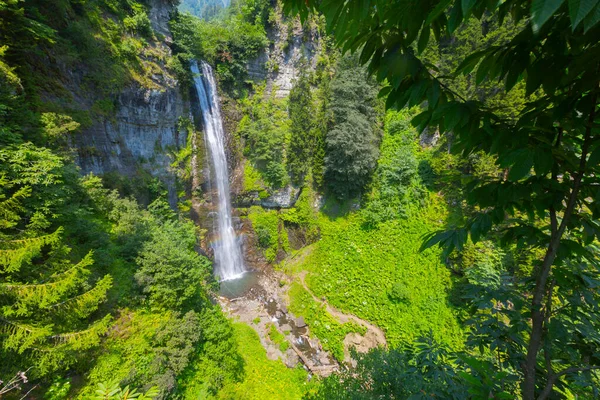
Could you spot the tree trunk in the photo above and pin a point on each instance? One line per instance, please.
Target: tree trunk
(540, 290)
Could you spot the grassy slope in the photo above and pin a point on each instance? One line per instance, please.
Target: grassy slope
(263, 378)
(355, 268)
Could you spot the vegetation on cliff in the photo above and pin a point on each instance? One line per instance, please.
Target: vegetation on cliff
(483, 140)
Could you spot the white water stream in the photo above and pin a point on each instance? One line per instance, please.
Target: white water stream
(229, 263)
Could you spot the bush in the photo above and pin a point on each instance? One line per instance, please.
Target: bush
(400, 293)
(170, 271)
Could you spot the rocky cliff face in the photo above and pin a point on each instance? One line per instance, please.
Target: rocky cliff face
(279, 64)
(144, 131)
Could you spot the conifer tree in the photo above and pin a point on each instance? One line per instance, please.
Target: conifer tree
(46, 300)
(302, 142)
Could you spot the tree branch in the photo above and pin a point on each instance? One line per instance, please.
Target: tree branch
(537, 317)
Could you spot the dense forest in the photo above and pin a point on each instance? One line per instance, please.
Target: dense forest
(413, 187)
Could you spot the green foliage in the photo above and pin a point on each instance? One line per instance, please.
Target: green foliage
(170, 271)
(330, 332)
(277, 337)
(253, 181)
(59, 389)
(264, 378)
(146, 348)
(265, 129)
(115, 392)
(546, 198)
(355, 269)
(271, 238)
(229, 43)
(138, 22)
(47, 299)
(352, 141)
(301, 113)
(396, 183)
(303, 216)
(218, 363)
(423, 371)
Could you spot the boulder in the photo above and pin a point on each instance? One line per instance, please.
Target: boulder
(300, 322)
(290, 358)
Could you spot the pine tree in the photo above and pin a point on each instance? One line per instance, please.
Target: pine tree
(352, 140)
(301, 112)
(46, 300)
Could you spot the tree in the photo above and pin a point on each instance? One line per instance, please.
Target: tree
(302, 141)
(47, 300)
(170, 271)
(352, 140)
(548, 199)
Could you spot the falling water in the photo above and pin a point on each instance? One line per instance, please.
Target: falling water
(228, 256)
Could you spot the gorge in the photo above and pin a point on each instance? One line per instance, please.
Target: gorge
(299, 200)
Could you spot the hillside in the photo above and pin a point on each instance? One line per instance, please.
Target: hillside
(265, 199)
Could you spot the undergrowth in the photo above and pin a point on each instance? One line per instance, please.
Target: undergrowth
(264, 378)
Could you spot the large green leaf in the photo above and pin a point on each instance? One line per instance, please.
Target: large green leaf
(579, 9)
(592, 19)
(541, 11)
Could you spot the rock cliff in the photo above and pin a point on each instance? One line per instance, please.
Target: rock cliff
(144, 131)
(278, 65)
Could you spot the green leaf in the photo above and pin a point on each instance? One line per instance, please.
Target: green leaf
(594, 159)
(579, 9)
(423, 39)
(542, 161)
(466, 6)
(484, 68)
(470, 62)
(592, 19)
(541, 11)
(520, 169)
(455, 18)
(437, 11)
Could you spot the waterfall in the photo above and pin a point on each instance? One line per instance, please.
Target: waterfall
(228, 255)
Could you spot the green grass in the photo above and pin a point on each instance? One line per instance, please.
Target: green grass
(278, 338)
(324, 326)
(263, 378)
(355, 269)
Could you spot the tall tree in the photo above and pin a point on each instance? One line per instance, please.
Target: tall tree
(46, 299)
(352, 140)
(548, 199)
(302, 129)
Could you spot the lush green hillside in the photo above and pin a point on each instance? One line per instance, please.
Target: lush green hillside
(444, 181)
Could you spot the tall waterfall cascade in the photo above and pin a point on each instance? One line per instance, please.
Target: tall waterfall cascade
(229, 263)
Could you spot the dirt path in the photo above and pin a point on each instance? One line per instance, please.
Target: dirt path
(374, 337)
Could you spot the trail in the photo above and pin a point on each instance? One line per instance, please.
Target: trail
(374, 337)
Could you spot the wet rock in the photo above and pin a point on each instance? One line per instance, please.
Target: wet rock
(290, 358)
(300, 322)
(283, 309)
(323, 358)
(282, 198)
(285, 328)
(278, 314)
